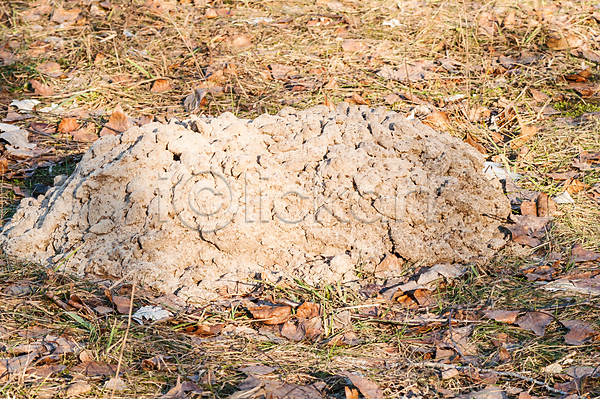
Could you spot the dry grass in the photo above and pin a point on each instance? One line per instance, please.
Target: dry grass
(105, 67)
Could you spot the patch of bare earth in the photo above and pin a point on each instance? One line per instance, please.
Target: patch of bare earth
(517, 80)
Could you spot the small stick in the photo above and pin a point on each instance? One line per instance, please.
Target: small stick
(112, 394)
(50, 295)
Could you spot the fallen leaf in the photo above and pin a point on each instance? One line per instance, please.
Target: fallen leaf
(440, 271)
(117, 123)
(534, 321)
(51, 69)
(68, 125)
(122, 303)
(293, 331)
(115, 384)
(390, 263)
(61, 15)
(17, 364)
(450, 373)
(539, 96)
(78, 388)
(45, 371)
(270, 314)
(475, 144)
(41, 89)
(586, 286)
(351, 393)
(527, 132)
(206, 329)
(391, 99)
(352, 46)
(281, 72)
(34, 14)
(529, 208)
(581, 76)
(585, 90)
(95, 369)
(579, 331)
(579, 254)
(491, 392)
(574, 186)
(160, 86)
(438, 120)
(86, 133)
(328, 103)
(241, 41)
(24, 105)
(368, 388)
(502, 316)
(256, 370)
(355, 98)
(308, 310)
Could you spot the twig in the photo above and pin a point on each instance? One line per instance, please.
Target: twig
(112, 394)
(52, 296)
(443, 366)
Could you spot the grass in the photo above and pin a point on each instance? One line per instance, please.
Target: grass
(104, 67)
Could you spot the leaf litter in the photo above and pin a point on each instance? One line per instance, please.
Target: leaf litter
(398, 299)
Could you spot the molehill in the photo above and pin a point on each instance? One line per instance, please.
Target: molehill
(205, 206)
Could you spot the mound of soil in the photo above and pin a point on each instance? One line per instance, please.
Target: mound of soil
(206, 205)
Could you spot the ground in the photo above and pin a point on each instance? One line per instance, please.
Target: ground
(517, 80)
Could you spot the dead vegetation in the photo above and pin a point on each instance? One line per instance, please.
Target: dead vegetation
(517, 80)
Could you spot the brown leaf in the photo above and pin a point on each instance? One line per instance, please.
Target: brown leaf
(423, 297)
(534, 321)
(352, 46)
(528, 208)
(574, 186)
(86, 133)
(122, 303)
(41, 89)
(585, 90)
(95, 369)
(579, 254)
(389, 263)
(308, 310)
(581, 76)
(293, 331)
(504, 355)
(328, 103)
(179, 390)
(206, 329)
(527, 132)
(391, 99)
(78, 388)
(160, 86)
(546, 207)
(539, 96)
(579, 331)
(438, 120)
(241, 41)
(413, 73)
(118, 123)
(68, 125)
(473, 143)
(351, 393)
(355, 98)
(51, 69)
(17, 364)
(281, 72)
(368, 388)
(61, 15)
(211, 13)
(271, 314)
(332, 84)
(502, 316)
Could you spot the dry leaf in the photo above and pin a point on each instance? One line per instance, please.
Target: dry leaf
(355, 98)
(241, 41)
(122, 303)
(332, 84)
(527, 132)
(581, 76)
(160, 86)
(579, 254)
(534, 321)
(61, 15)
(529, 208)
(368, 388)
(41, 89)
(118, 123)
(281, 72)
(68, 125)
(271, 314)
(328, 103)
(491, 392)
(195, 100)
(574, 186)
(352, 46)
(585, 90)
(351, 393)
(539, 96)
(413, 73)
(78, 388)
(95, 369)
(211, 13)
(293, 331)
(308, 310)
(389, 263)
(51, 69)
(579, 331)
(502, 316)
(438, 120)
(472, 142)
(86, 133)
(391, 99)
